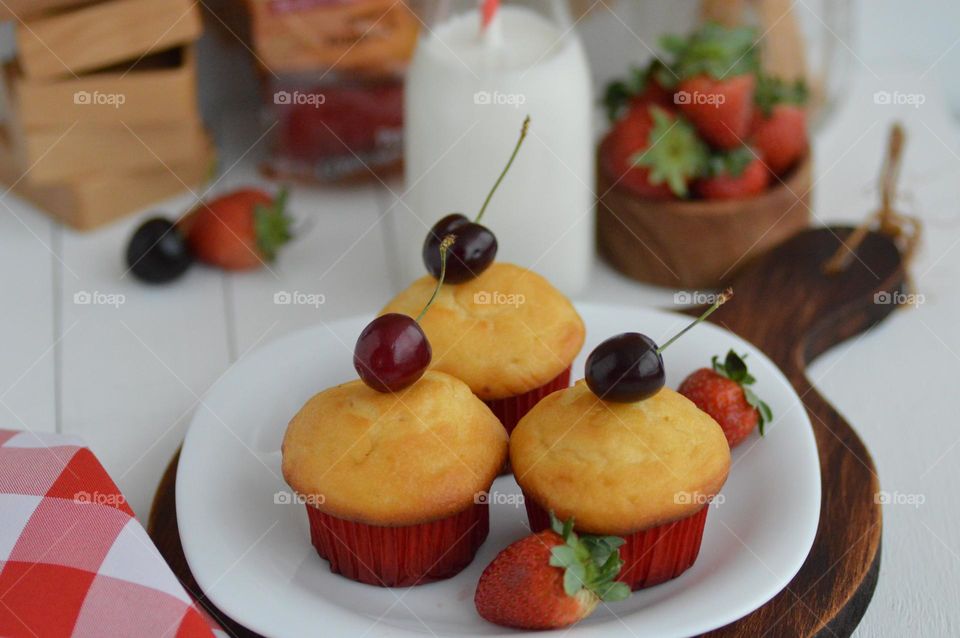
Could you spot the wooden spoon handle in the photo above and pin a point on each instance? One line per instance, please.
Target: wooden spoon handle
(784, 53)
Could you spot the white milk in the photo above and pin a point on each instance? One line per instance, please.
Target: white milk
(466, 97)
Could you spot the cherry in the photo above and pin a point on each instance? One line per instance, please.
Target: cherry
(392, 351)
(476, 246)
(624, 368)
(157, 252)
(474, 251)
(628, 367)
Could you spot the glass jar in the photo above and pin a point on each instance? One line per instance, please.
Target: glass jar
(332, 74)
(468, 90)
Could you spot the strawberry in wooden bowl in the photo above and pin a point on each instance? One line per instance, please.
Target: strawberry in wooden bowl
(705, 149)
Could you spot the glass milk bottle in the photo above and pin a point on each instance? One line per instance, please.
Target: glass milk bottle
(468, 90)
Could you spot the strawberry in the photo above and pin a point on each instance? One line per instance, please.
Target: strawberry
(654, 153)
(714, 74)
(641, 87)
(733, 175)
(720, 109)
(551, 579)
(723, 393)
(238, 231)
(779, 128)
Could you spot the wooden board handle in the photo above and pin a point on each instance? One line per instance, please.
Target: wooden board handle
(791, 309)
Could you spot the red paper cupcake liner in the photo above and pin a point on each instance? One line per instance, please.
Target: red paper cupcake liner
(651, 556)
(511, 409)
(399, 556)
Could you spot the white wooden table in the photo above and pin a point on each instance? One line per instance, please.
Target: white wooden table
(128, 377)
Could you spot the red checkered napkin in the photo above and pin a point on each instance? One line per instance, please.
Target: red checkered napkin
(73, 559)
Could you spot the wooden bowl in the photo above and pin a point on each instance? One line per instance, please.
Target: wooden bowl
(696, 244)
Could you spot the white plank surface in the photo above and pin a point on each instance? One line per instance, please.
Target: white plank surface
(132, 373)
(29, 243)
(334, 268)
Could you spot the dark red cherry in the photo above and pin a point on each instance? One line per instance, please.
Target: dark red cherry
(629, 367)
(476, 245)
(473, 252)
(446, 226)
(625, 368)
(392, 352)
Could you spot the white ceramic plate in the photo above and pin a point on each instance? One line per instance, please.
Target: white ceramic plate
(250, 550)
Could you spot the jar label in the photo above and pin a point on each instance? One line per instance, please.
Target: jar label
(370, 36)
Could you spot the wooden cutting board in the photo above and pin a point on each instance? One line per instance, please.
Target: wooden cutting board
(790, 309)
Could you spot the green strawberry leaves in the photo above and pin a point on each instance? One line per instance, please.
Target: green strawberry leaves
(675, 153)
(617, 96)
(731, 163)
(272, 225)
(772, 91)
(589, 562)
(734, 368)
(714, 50)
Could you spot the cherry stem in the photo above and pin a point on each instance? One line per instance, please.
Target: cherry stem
(444, 247)
(516, 149)
(722, 299)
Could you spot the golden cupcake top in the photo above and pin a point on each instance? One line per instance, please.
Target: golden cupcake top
(504, 333)
(619, 468)
(394, 459)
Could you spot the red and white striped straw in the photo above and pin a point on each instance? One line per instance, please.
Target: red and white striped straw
(488, 9)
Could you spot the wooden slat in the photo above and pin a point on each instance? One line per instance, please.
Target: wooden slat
(24, 9)
(150, 96)
(90, 202)
(81, 148)
(103, 34)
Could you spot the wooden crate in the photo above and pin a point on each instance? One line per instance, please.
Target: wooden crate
(161, 88)
(88, 202)
(97, 36)
(24, 9)
(68, 151)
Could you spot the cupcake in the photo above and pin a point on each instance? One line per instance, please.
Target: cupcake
(391, 480)
(643, 470)
(507, 333)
